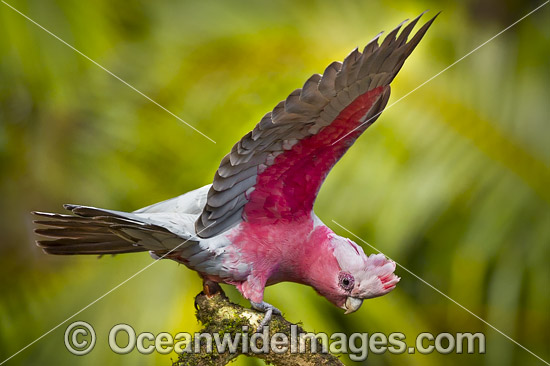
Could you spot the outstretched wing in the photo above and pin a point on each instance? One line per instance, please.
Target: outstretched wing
(273, 174)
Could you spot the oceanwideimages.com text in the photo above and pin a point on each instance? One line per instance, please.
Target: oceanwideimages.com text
(80, 339)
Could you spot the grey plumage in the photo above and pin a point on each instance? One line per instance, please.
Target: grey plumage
(81, 235)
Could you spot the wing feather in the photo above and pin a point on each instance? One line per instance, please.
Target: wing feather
(291, 147)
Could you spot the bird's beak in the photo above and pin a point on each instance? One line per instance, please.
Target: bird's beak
(352, 304)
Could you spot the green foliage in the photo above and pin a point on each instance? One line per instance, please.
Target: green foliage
(452, 182)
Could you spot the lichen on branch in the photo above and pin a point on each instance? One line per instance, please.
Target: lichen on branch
(222, 318)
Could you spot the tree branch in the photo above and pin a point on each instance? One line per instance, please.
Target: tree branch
(222, 317)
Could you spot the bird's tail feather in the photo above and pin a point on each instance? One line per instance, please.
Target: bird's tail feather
(97, 231)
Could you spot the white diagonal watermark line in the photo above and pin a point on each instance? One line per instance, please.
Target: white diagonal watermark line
(449, 298)
(106, 70)
(442, 71)
(101, 297)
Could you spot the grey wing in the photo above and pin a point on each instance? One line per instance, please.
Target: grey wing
(303, 114)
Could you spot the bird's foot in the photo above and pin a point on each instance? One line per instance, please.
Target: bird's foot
(211, 288)
(266, 308)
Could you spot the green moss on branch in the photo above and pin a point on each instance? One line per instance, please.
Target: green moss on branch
(220, 316)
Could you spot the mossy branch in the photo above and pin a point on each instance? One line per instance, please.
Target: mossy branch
(220, 316)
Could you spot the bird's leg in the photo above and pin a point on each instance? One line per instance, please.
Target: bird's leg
(211, 288)
(266, 308)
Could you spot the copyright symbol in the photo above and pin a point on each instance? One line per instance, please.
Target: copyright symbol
(76, 339)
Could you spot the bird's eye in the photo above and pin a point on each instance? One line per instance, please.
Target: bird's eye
(346, 281)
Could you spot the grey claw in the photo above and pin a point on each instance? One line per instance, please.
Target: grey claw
(268, 309)
(266, 320)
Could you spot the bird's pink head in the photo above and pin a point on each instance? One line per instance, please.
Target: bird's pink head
(357, 277)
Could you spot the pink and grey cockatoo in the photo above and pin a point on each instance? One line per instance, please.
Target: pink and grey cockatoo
(254, 226)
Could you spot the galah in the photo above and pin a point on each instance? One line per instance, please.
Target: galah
(254, 226)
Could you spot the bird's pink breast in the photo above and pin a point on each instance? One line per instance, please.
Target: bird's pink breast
(294, 251)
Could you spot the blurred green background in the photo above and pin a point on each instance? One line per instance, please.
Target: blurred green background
(452, 182)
